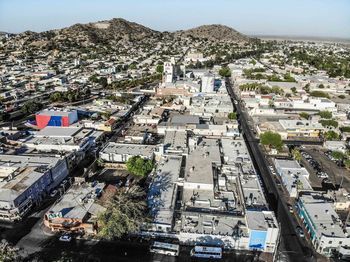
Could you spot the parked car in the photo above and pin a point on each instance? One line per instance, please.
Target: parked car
(291, 210)
(53, 193)
(65, 238)
(300, 231)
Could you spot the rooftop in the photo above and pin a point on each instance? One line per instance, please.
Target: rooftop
(163, 189)
(128, 149)
(76, 202)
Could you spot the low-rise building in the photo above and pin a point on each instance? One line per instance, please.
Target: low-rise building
(56, 117)
(25, 181)
(120, 153)
(294, 177)
(63, 139)
(77, 210)
(322, 223)
(162, 193)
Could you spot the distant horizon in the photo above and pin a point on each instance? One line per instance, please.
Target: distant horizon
(298, 18)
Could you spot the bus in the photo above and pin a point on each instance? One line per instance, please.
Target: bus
(206, 252)
(165, 248)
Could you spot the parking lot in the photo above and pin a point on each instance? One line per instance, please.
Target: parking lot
(322, 168)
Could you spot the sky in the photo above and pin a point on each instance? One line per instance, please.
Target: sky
(320, 18)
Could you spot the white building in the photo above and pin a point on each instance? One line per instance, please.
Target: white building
(120, 153)
(208, 83)
(294, 177)
(326, 230)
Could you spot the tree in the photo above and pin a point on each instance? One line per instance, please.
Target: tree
(159, 69)
(347, 163)
(328, 123)
(31, 107)
(345, 129)
(325, 114)
(304, 115)
(265, 90)
(225, 71)
(103, 81)
(139, 166)
(232, 116)
(272, 140)
(124, 214)
(294, 89)
(277, 90)
(57, 96)
(132, 66)
(93, 78)
(338, 155)
(331, 135)
(296, 154)
(8, 253)
(319, 94)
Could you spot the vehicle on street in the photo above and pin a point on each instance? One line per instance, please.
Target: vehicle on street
(53, 193)
(165, 248)
(65, 238)
(300, 231)
(206, 252)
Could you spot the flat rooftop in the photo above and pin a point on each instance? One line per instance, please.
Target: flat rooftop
(235, 151)
(287, 164)
(300, 124)
(162, 192)
(199, 166)
(175, 139)
(326, 221)
(77, 201)
(261, 220)
(213, 224)
(184, 119)
(51, 131)
(128, 149)
(56, 112)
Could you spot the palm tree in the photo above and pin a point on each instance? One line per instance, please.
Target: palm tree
(296, 154)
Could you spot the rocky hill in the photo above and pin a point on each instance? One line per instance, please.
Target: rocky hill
(215, 32)
(120, 31)
(114, 29)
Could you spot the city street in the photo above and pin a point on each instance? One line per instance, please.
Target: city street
(291, 246)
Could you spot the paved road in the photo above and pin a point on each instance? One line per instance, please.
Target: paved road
(292, 247)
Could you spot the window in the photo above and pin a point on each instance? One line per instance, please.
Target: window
(330, 242)
(340, 242)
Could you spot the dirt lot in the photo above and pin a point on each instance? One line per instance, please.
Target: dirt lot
(336, 173)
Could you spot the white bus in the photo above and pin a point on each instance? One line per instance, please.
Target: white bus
(165, 248)
(206, 252)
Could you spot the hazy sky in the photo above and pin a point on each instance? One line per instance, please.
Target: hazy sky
(272, 17)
